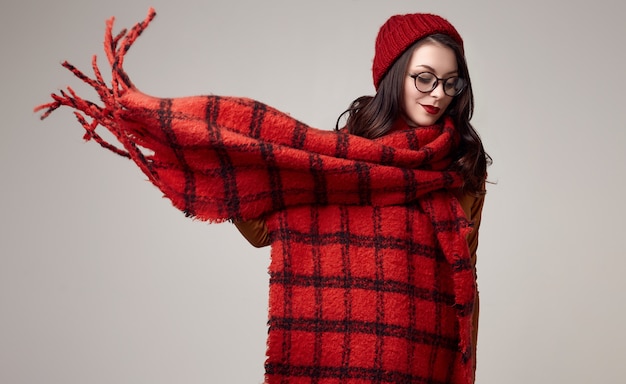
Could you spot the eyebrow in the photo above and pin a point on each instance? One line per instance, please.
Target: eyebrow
(434, 70)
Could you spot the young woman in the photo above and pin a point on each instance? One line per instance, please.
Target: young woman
(373, 227)
(421, 77)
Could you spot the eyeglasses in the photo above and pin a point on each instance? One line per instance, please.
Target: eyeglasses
(426, 82)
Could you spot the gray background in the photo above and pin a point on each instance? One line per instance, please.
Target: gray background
(102, 281)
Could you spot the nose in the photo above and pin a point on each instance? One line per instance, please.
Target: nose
(438, 90)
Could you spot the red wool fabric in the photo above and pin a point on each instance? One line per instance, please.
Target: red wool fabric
(370, 274)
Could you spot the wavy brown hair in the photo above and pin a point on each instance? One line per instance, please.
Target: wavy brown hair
(374, 116)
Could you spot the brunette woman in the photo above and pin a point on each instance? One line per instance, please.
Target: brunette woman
(373, 227)
(421, 78)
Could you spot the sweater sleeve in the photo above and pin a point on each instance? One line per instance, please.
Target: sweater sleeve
(472, 206)
(475, 218)
(255, 231)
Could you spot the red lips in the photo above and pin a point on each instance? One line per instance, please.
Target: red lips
(430, 109)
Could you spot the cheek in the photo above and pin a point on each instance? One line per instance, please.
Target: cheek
(411, 96)
(410, 92)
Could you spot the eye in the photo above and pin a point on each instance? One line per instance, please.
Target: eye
(454, 85)
(425, 77)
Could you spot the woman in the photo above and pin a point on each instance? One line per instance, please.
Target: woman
(421, 75)
(373, 228)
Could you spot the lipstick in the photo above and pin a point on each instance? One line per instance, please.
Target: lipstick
(430, 109)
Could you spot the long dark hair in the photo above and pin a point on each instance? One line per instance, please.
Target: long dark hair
(374, 116)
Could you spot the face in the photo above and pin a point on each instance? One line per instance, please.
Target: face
(424, 109)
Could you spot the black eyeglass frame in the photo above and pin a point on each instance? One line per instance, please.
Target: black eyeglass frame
(436, 83)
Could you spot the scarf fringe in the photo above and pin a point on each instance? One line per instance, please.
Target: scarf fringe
(115, 48)
(91, 115)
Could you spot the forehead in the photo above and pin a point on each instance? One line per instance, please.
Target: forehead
(437, 57)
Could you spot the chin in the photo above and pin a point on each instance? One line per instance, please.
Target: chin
(418, 119)
(424, 121)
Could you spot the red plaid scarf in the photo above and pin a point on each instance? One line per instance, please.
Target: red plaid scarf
(370, 278)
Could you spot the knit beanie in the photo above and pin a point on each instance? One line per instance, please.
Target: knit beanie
(399, 32)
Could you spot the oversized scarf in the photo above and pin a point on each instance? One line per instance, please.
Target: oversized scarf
(370, 273)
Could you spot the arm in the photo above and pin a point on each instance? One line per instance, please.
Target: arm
(475, 218)
(473, 207)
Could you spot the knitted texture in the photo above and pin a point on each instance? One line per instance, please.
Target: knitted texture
(399, 32)
(370, 273)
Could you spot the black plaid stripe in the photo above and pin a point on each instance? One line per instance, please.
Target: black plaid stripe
(283, 234)
(388, 155)
(464, 309)
(410, 185)
(364, 183)
(380, 297)
(227, 170)
(412, 140)
(341, 148)
(320, 188)
(367, 241)
(256, 120)
(350, 373)
(381, 329)
(409, 222)
(461, 264)
(165, 123)
(316, 253)
(346, 262)
(299, 135)
(353, 282)
(317, 194)
(276, 190)
(438, 323)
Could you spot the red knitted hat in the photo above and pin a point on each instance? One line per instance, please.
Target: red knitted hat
(400, 32)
